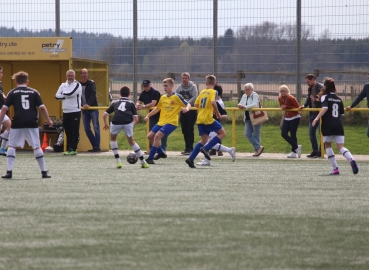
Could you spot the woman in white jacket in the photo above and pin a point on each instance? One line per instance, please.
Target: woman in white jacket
(251, 100)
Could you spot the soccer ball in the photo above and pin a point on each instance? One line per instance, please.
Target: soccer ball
(132, 158)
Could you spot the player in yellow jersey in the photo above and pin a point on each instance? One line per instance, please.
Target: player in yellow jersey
(206, 104)
(169, 105)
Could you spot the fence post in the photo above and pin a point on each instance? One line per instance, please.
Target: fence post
(240, 76)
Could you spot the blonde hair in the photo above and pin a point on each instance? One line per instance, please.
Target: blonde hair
(211, 79)
(284, 87)
(169, 81)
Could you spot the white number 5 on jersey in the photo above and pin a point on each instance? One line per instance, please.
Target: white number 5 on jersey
(25, 102)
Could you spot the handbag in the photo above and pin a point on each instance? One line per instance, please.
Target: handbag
(258, 117)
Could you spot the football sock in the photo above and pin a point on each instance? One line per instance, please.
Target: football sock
(152, 152)
(195, 151)
(160, 150)
(5, 137)
(346, 153)
(211, 143)
(114, 148)
(221, 147)
(138, 152)
(331, 157)
(10, 158)
(39, 155)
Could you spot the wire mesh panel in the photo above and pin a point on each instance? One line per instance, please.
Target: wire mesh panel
(258, 38)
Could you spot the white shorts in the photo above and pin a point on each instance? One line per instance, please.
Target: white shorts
(18, 136)
(116, 129)
(5, 118)
(335, 138)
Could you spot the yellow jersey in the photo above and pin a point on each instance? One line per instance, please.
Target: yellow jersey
(205, 109)
(170, 108)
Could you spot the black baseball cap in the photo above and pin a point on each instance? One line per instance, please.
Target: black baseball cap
(146, 82)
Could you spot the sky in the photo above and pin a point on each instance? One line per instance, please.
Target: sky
(190, 18)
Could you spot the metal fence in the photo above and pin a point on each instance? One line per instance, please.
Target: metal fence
(264, 42)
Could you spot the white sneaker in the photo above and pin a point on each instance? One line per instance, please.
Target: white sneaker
(204, 162)
(292, 155)
(232, 152)
(298, 151)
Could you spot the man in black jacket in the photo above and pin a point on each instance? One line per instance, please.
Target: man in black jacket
(312, 101)
(89, 99)
(363, 94)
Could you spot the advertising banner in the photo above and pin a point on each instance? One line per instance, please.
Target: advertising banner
(34, 48)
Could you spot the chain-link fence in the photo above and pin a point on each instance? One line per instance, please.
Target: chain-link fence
(265, 42)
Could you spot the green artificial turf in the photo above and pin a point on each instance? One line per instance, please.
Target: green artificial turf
(250, 214)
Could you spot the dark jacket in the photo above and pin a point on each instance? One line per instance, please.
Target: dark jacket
(363, 94)
(317, 103)
(90, 93)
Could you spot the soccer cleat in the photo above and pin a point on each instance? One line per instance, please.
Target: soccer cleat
(162, 155)
(70, 153)
(206, 154)
(145, 165)
(298, 150)
(355, 168)
(335, 171)
(232, 152)
(313, 154)
(45, 174)
(204, 162)
(292, 155)
(150, 161)
(220, 153)
(119, 164)
(7, 175)
(190, 163)
(3, 151)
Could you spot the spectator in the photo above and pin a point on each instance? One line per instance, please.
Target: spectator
(332, 127)
(312, 101)
(6, 121)
(125, 118)
(363, 94)
(24, 127)
(188, 90)
(70, 93)
(251, 100)
(170, 105)
(291, 120)
(148, 98)
(89, 99)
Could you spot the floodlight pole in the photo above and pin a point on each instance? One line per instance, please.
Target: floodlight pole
(215, 37)
(134, 79)
(57, 18)
(298, 50)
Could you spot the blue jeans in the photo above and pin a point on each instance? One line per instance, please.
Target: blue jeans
(93, 116)
(252, 133)
(312, 132)
(291, 126)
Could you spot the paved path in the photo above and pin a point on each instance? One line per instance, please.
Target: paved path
(226, 155)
